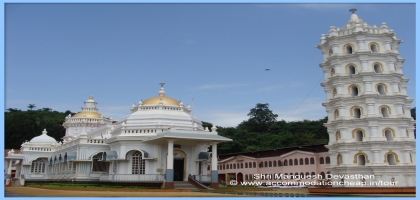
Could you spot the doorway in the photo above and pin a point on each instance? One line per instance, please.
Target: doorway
(178, 169)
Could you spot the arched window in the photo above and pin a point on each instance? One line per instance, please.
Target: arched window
(242, 165)
(290, 162)
(237, 165)
(224, 167)
(312, 161)
(254, 165)
(359, 135)
(348, 49)
(351, 69)
(388, 135)
(377, 68)
(274, 163)
(137, 163)
(261, 164)
(99, 166)
(265, 164)
(336, 114)
(381, 89)
(354, 90)
(332, 72)
(323, 175)
(231, 166)
(296, 161)
(246, 176)
(270, 164)
(390, 158)
(334, 92)
(384, 111)
(307, 175)
(38, 165)
(374, 47)
(246, 165)
(285, 162)
(330, 52)
(301, 161)
(356, 112)
(327, 160)
(306, 161)
(361, 160)
(234, 166)
(279, 163)
(312, 174)
(250, 165)
(321, 160)
(337, 135)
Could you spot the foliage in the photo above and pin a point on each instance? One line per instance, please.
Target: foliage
(24, 125)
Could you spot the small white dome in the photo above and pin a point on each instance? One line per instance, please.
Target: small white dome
(44, 138)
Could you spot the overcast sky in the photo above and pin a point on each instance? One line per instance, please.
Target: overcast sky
(56, 55)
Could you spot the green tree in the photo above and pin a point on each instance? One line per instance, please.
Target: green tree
(31, 106)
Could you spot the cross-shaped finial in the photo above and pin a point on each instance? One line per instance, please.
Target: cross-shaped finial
(353, 10)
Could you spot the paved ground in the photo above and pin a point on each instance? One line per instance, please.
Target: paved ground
(37, 192)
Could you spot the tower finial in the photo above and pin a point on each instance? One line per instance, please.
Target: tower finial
(162, 84)
(353, 10)
(162, 91)
(90, 97)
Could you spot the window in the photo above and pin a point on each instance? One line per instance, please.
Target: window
(384, 111)
(354, 90)
(361, 160)
(246, 175)
(327, 160)
(296, 161)
(332, 73)
(234, 166)
(301, 161)
(246, 165)
(137, 163)
(374, 47)
(290, 162)
(359, 135)
(349, 49)
(321, 160)
(254, 165)
(356, 112)
(337, 136)
(323, 175)
(280, 163)
(265, 164)
(330, 52)
(388, 135)
(274, 163)
(38, 165)
(306, 161)
(352, 69)
(312, 161)
(285, 162)
(99, 166)
(336, 114)
(390, 158)
(270, 164)
(377, 68)
(242, 165)
(381, 89)
(334, 92)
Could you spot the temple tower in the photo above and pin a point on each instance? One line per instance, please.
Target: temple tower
(371, 131)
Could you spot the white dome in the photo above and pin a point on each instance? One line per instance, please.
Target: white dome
(44, 138)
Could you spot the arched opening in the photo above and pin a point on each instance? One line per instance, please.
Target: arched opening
(265, 164)
(254, 165)
(381, 89)
(290, 162)
(388, 135)
(246, 165)
(337, 135)
(242, 165)
(361, 160)
(377, 68)
(246, 177)
(279, 163)
(285, 163)
(321, 160)
(234, 166)
(356, 112)
(336, 114)
(391, 159)
(354, 90)
(240, 177)
(330, 52)
(270, 164)
(384, 111)
(296, 161)
(98, 165)
(349, 49)
(312, 161)
(306, 161)
(274, 163)
(373, 48)
(352, 69)
(301, 161)
(339, 161)
(334, 92)
(332, 72)
(359, 135)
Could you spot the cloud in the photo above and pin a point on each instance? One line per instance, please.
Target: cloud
(218, 86)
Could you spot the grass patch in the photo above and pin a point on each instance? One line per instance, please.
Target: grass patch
(88, 186)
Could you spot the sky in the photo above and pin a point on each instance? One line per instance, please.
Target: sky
(211, 56)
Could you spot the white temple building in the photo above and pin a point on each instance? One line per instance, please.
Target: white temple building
(371, 131)
(158, 143)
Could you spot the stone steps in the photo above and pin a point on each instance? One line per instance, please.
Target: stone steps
(183, 185)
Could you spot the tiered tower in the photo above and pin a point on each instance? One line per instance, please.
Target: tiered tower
(371, 131)
(86, 120)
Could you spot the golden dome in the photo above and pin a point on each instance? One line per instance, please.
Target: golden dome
(165, 100)
(88, 115)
